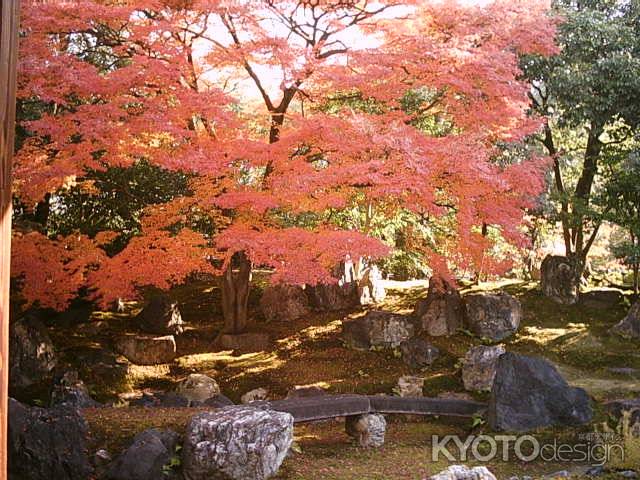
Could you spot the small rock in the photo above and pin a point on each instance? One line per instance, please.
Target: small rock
(378, 329)
(628, 474)
(218, 401)
(479, 367)
(255, 395)
(601, 299)
(198, 388)
(629, 327)
(147, 349)
(31, 354)
(368, 429)
(529, 393)
(284, 302)
(69, 390)
(161, 317)
(595, 471)
(417, 353)
(306, 391)
(101, 458)
(462, 472)
(236, 443)
(442, 312)
(495, 316)
(143, 460)
(410, 386)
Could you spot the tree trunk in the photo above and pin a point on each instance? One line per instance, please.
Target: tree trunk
(636, 279)
(8, 57)
(235, 294)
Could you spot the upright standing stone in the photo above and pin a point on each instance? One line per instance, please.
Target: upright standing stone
(161, 317)
(479, 367)
(495, 316)
(442, 312)
(378, 329)
(629, 327)
(31, 353)
(284, 302)
(560, 278)
(368, 429)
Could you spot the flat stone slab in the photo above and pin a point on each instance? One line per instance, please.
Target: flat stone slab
(311, 409)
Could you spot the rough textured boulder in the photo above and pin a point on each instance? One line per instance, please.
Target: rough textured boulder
(245, 342)
(629, 327)
(495, 316)
(462, 472)
(161, 317)
(378, 329)
(147, 349)
(529, 393)
(560, 279)
(47, 444)
(442, 312)
(168, 399)
(479, 367)
(370, 287)
(198, 388)
(615, 408)
(31, 355)
(332, 297)
(255, 395)
(368, 429)
(601, 299)
(410, 386)
(218, 401)
(284, 302)
(417, 353)
(143, 460)
(237, 442)
(69, 390)
(305, 391)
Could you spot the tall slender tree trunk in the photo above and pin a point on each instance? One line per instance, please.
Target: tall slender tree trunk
(8, 57)
(235, 294)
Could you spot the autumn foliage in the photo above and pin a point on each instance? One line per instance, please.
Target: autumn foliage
(234, 92)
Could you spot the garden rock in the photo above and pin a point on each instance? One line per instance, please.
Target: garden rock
(69, 390)
(629, 327)
(198, 388)
(479, 367)
(378, 329)
(560, 279)
(368, 429)
(410, 386)
(495, 316)
(442, 311)
(601, 299)
(31, 354)
(284, 302)
(528, 393)
(255, 395)
(161, 317)
(342, 295)
(306, 391)
(462, 472)
(165, 400)
(145, 458)
(218, 401)
(417, 353)
(147, 349)
(237, 443)
(245, 342)
(47, 444)
(616, 409)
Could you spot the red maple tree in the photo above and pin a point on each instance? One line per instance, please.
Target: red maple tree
(130, 80)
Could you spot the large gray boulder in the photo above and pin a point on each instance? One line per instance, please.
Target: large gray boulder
(367, 429)
(479, 367)
(495, 316)
(31, 354)
(161, 316)
(236, 443)
(284, 302)
(147, 349)
(560, 278)
(378, 329)
(442, 311)
(629, 327)
(529, 393)
(145, 458)
(47, 443)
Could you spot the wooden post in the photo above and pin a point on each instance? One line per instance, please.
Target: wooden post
(8, 58)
